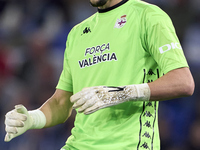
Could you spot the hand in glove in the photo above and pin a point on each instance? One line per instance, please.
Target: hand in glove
(92, 99)
(19, 120)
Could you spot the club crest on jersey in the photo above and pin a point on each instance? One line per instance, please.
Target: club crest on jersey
(120, 22)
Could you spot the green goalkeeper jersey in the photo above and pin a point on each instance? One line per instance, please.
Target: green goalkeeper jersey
(132, 42)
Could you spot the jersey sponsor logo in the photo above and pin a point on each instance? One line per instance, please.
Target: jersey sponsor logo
(145, 145)
(148, 114)
(147, 135)
(98, 54)
(120, 22)
(147, 124)
(150, 76)
(97, 49)
(149, 104)
(168, 47)
(86, 30)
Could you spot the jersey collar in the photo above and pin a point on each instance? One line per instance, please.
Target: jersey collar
(113, 7)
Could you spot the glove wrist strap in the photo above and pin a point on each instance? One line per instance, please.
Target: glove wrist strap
(140, 92)
(39, 119)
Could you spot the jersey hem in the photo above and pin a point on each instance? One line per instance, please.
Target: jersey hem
(174, 67)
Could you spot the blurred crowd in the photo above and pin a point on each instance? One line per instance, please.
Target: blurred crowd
(32, 43)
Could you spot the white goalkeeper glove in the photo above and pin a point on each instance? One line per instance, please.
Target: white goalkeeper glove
(92, 99)
(19, 120)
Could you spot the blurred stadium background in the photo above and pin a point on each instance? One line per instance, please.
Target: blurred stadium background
(32, 43)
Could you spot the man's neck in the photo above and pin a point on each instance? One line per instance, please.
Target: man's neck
(109, 3)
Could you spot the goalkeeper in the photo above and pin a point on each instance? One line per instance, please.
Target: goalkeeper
(118, 64)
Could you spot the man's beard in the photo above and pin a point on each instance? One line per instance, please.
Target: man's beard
(98, 3)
